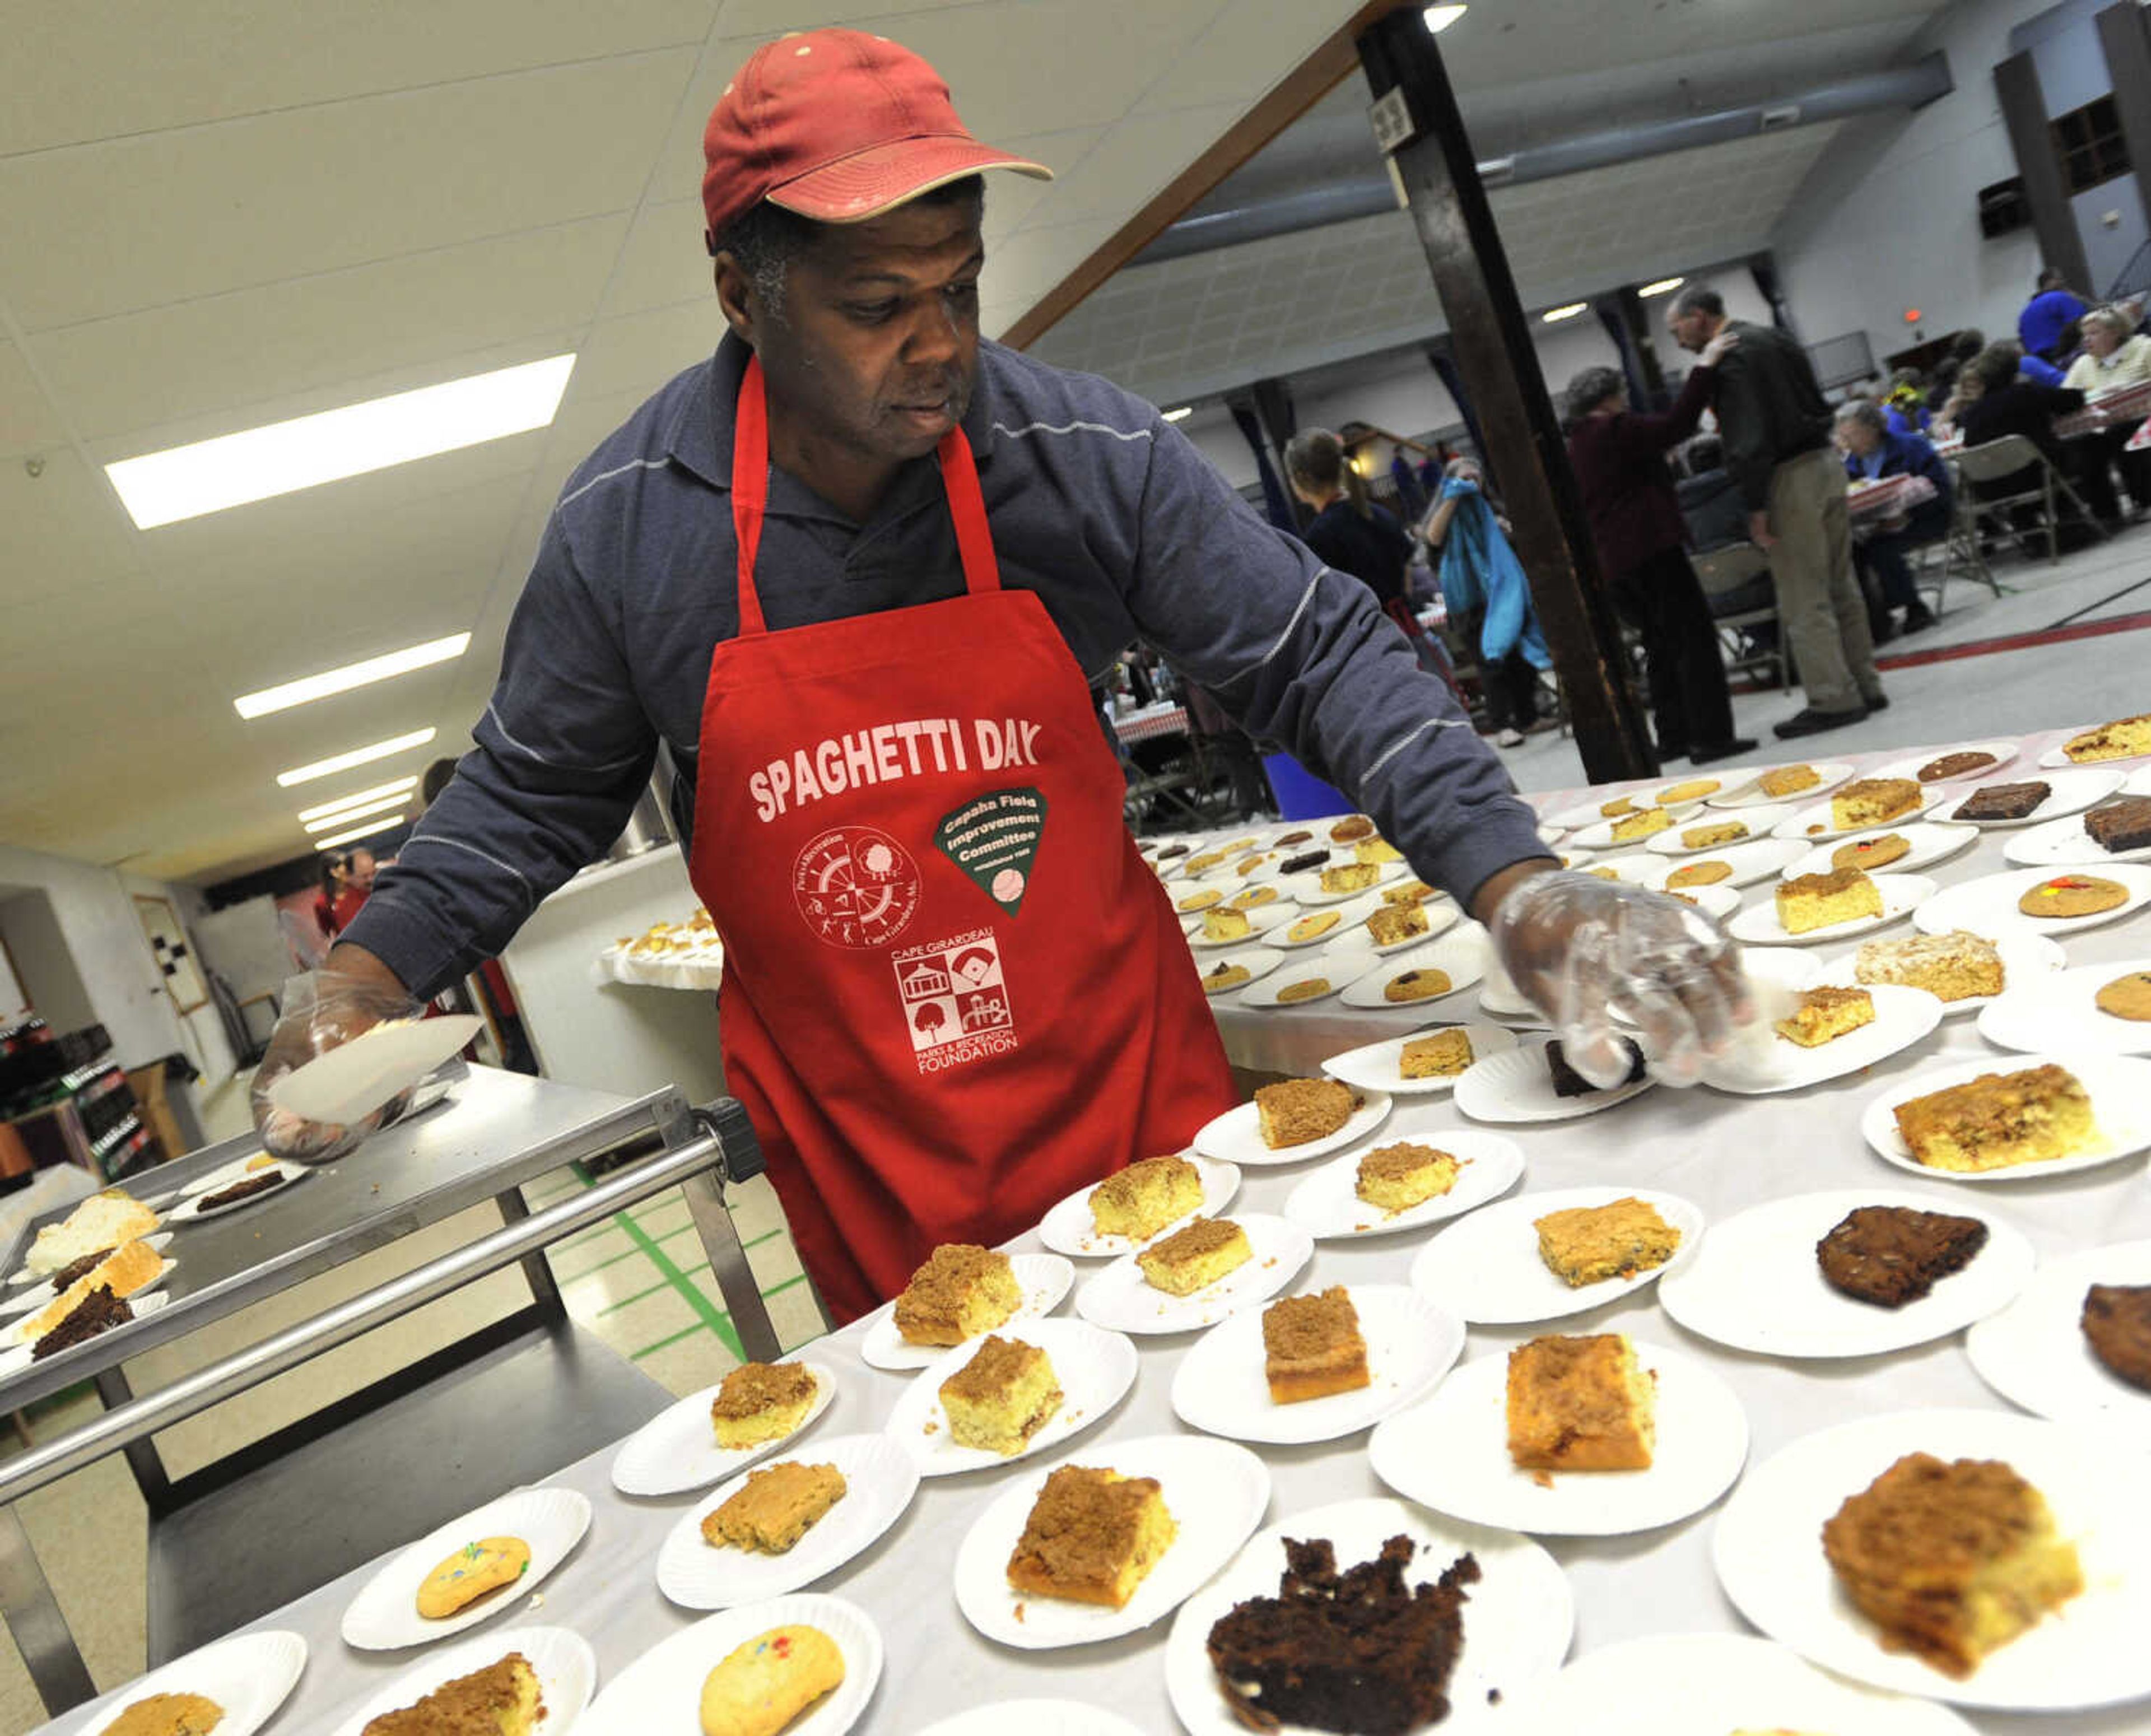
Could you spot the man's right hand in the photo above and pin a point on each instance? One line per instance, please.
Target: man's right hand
(1758, 530)
(353, 992)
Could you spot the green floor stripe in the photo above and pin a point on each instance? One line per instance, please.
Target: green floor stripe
(779, 1289)
(576, 1278)
(766, 1235)
(712, 1315)
(684, 1332)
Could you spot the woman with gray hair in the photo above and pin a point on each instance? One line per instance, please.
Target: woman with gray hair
(1619, 458)
(2115, 355)
(1873, 449)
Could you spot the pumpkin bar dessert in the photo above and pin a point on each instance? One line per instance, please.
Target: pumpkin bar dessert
(960, 1291)
(1312, 1347)
(1295, 1111)
(1092, 1537)
(1001, 1397)
(1142, 1199)
(1999, 1119)
(1189, 1259)
(1580, 1403)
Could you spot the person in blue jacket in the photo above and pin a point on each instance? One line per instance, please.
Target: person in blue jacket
(2046, 327)
(1874, 449)
(1484, 586)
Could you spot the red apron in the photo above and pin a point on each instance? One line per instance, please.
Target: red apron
(954, 993)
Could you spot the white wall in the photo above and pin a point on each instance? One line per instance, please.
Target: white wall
(207, 1042)
(44, 964)
(1888, 219)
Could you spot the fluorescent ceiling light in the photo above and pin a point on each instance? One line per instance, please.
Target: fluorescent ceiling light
(1554, 315)
(356, 757)
(344, 804)
(1664, 286)
(351, 676)
(345, 816)
(1438, 18)
(358, 833)
(162, 488)
(1180, 415)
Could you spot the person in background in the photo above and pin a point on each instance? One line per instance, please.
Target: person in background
(1619, 458)
(1488, 596)
(2047, 326)
(1349, 532)
(2115, 355)
(335, 872)
(1874, 449)
(1905, 403)
(346, 882)
(2007, 404)
(1777, 433)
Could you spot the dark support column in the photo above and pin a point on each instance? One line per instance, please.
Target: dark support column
(1492, 339)
(1763, 269)
(1273, 406)
(2024, 113)
(2124, 32)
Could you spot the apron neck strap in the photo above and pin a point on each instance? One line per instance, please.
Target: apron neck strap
(960, 481)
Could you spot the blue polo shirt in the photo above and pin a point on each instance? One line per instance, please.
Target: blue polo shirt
(2046, 316)
(1122, 529)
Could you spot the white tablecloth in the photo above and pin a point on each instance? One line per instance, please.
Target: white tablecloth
(1723, 1152)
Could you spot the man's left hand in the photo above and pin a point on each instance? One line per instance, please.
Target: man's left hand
(1758, 530)
(1582, 948)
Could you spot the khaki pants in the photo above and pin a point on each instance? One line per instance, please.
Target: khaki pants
(1820, 605)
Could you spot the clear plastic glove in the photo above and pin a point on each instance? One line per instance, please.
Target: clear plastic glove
(322, 1011)
(1582, 948)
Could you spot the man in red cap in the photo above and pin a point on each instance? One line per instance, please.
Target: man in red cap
(855, 575)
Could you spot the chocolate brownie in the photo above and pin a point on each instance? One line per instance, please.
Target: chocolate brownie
(2122, 825)
(77, 1269)
(1171, 850)
(2117, 1324)
(1888, 1255)
(1567, 1082)
(1953, 765)
(100, 1311)
(1300, 864)
(2002, 801)
(247, 1189)
(1356, 1651)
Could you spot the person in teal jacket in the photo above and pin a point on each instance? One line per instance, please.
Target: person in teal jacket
(1488, 596)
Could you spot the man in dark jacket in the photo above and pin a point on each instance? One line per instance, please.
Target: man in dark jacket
(1776, 429)
(1873, 449)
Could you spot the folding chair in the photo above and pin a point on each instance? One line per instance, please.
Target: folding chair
(1724, 571)
(1995, 514)
(1957, 548)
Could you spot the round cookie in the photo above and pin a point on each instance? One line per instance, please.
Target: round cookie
(1416, 985)
(470, 1573)
(2072, 895)
(2127, 997)
(1345, 832)
(1199, 900)
(167, 1714)
(1692, 790)
(1871, 852)
(1313, 989)
(1308, 926)
(1254, 895)
(1699, 873)
(1224, 977)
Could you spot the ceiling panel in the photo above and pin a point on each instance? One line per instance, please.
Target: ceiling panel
(663, 262)
(253, 201)
(57, 533)
(1244, 50)
(28, 418)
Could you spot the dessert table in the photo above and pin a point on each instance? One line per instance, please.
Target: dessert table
(1886, 497)
(1152, 722)
(1721, 1152)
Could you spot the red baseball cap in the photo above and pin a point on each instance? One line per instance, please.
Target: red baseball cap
(839, 126)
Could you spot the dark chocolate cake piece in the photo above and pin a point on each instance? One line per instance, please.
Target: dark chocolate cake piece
(245, 1190)
(75, 1270)
(100, 1311)
(1889, 1255)
(1299, 864)
(1171, 851)
(1357, 1651)
(2117, 1324)
(2122, 825)
(1567, 1082)
(1953, 765)
(2002, 801)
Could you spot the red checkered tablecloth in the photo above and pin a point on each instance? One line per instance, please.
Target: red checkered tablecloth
(2140, 441)
(2108, 409)
(1888, 497)
(1151, 723)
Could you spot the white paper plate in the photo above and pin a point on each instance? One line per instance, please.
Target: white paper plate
(1462, 953)
(2054, 760)
(1780, 970)
(1043, 1279)
(1499, 997)
(1817, 822)
(1349, 914)
(2060, 1011)
(1768, 1552)
(1902, 895)
(1750, 793)
(1440, 919)
(2005, 754)
(880, 1479)
(1236, 1136)
(352, 1081)
(1759, 821)
(1706, 1684)
(1373, 1066)
(1120, 1299)
(2063, 843)
(566, 1668)
(1516, 1624)
(1755, 1284)
(1988, 905)
(195, 1211)
(1485, 1268)
(2034, 1354)
(1932, 842)
(1586, 816)
(1217, 1493)
(250, 1675)
(661, 1693)
(1068, 1227)
(1599, 835)
(2070, 792)
(384, 1615)
(1095, 1370)
(223, 1176)
(1307, 889)
(2120, 1088)
(1515, 1085)
(1033, 1718)
(1717, 902)
(1328, 1205)
(2025, 958)
(1219, 1386)
(1768, 1062)
(1751, 860)
(1260, 960)
(27, 1304)
(677, 1449)
(17, 1357)
(1260, 921)
(1336, 970)
(1451, 1453)
(41, 1289)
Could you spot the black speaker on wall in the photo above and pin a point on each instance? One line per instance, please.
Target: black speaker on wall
(2003, 208)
